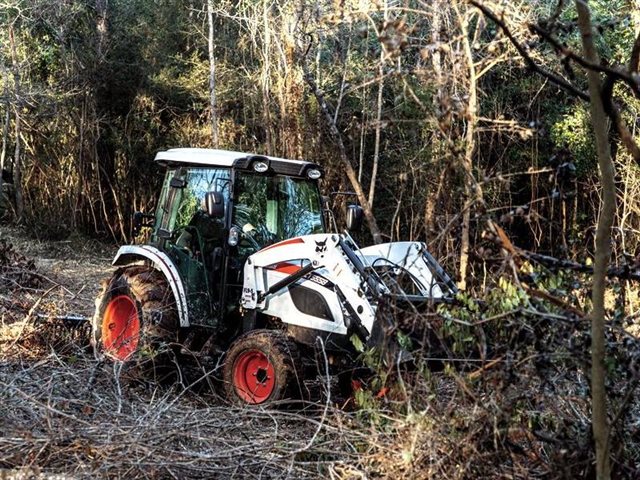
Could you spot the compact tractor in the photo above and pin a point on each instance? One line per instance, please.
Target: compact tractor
(241, 266)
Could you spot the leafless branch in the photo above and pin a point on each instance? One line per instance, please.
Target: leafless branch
(523, 51)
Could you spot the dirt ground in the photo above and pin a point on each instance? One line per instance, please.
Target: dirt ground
(67, 273)
(65, 414)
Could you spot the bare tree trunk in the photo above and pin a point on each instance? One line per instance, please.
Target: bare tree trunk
(5, 138)
(635, 16)
(376, 145)
(364, 119)
(17, 160)
(101, 26)
(467, 163)
(212, 78)
(288, 84)
(80, 161)
(436, 58)
(431, 202)
(603, 248)
(5, 129)
(266, 72)
(363, 128)
(436, 63)
(351, 173)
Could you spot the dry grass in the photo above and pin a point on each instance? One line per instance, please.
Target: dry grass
(65, 414)
(71, 268)
(74, 417)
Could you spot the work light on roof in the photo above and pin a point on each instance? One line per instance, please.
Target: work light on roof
(260, 167)
(314, 173)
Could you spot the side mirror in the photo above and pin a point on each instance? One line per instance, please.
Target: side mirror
(214, 202)
(354, 217)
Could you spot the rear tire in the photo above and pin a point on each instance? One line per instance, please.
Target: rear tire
(136, 317)
(261, 368)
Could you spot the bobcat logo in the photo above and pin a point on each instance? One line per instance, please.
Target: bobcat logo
(321, 246)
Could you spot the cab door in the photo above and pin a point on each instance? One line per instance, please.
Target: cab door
(195, 241)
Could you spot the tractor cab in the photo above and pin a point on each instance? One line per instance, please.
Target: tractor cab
(217, 208)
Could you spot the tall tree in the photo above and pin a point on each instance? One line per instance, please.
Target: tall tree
(604, 114)
(212, 77)
(5, 130)
(17, 153)
(600, 125)
(471, 120)
(351, 173)
(379, 99)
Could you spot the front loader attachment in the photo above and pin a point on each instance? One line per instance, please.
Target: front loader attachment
(407, 322)
(407, 327)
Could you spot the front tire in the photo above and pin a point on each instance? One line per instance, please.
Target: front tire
(135, 316)
(261, 368)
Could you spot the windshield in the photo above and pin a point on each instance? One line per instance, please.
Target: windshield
(269, 209)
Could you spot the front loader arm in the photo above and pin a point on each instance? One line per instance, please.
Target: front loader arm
(285, 282)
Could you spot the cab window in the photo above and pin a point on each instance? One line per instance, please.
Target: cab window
(269, 209)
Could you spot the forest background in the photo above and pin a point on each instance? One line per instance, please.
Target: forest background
(424, 95)
(454, 136)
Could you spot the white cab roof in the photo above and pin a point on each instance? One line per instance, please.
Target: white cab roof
(206, 156)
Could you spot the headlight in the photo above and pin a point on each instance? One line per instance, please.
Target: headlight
(260, 167)
(314, 173)
(234, 236)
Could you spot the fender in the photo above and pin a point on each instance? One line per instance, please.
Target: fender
(130, 254)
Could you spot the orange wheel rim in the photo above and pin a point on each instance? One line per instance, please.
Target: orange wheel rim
(120, 328)
(253, 377)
